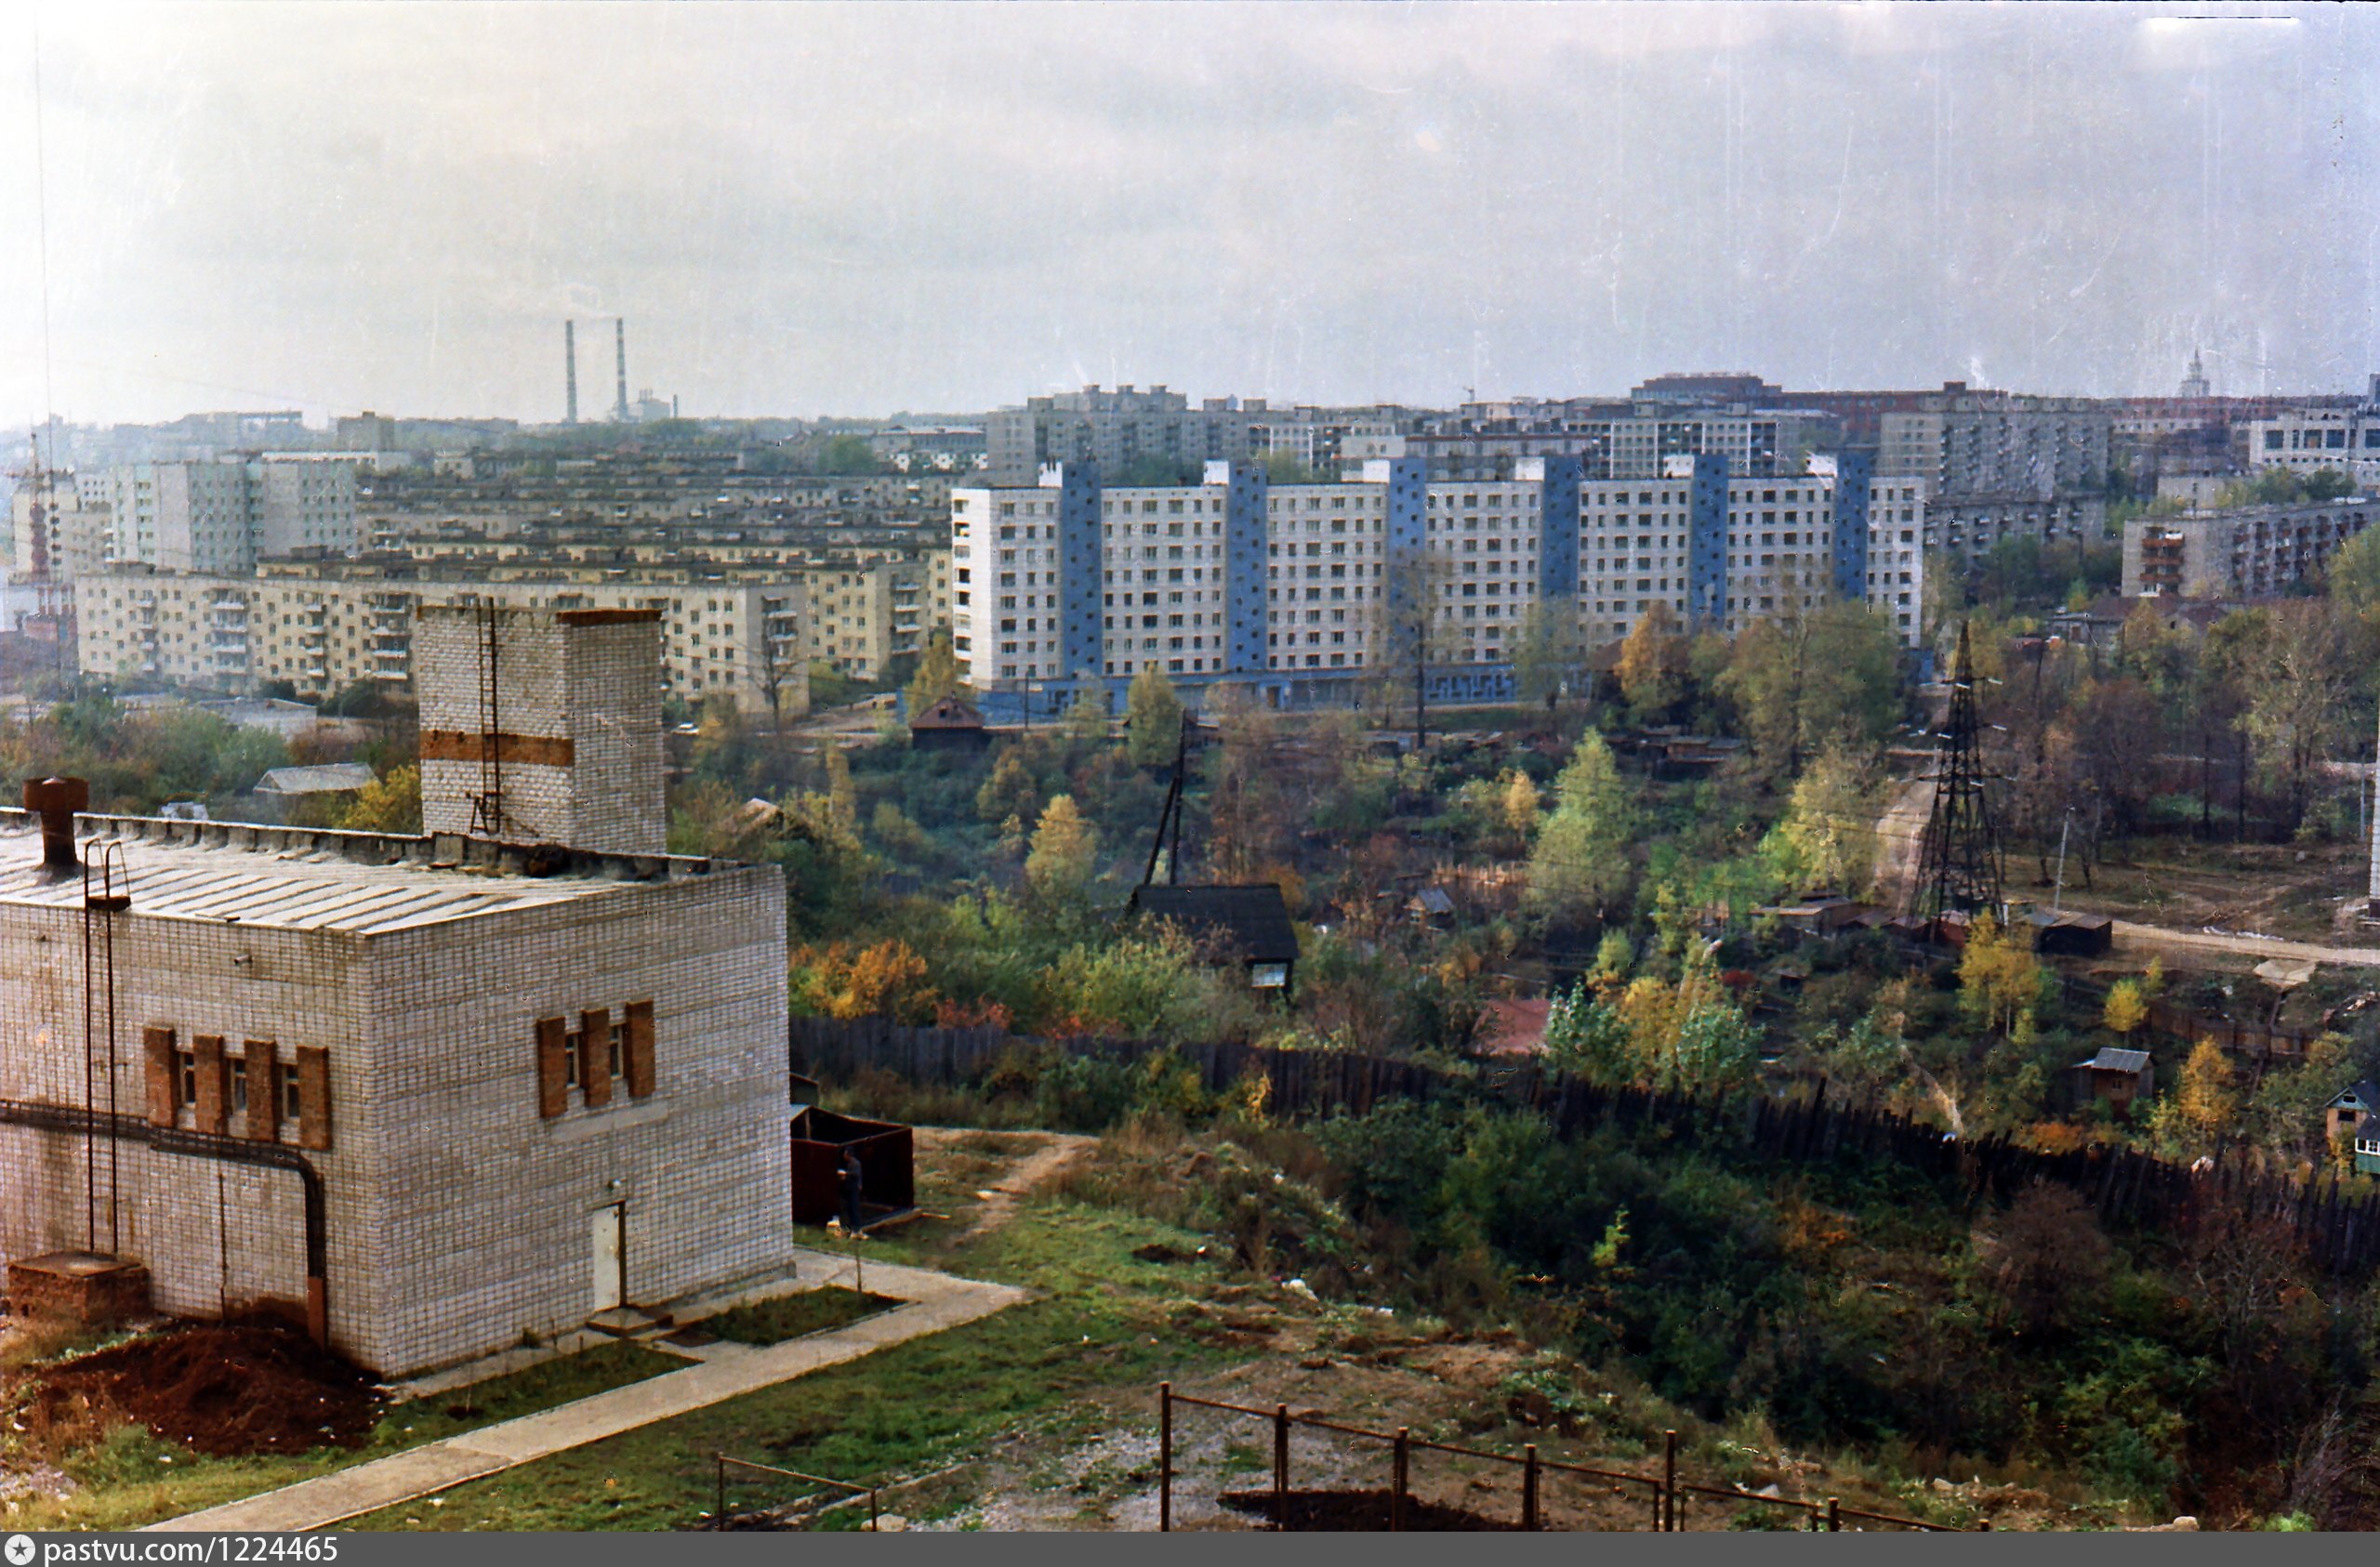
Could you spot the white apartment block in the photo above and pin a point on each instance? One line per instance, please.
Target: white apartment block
(1161, 575)
(213, 516)
(2307, 438)
(324, 630)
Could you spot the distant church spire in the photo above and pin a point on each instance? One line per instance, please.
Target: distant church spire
(2194, 384)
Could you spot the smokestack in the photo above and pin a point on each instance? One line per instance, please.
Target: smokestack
(620, 349)
(570, 367)
(56, 800)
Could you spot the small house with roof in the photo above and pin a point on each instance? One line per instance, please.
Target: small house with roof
(2113, 1076)
(1246, 926)
(948, 725)
(2353, 1116)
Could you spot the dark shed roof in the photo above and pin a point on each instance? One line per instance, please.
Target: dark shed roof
(948, 713)
(1255, 918)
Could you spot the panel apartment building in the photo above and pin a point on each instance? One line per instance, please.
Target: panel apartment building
(224, 516)
(1997, 466)
(434, 1092)
(323, 625)
(2254, 552)
(1298, 590)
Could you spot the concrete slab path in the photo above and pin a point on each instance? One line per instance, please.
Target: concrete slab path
(931, 1302)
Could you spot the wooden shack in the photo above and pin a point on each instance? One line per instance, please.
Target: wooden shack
(887, 1167)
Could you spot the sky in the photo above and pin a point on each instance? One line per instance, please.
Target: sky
(865, 209)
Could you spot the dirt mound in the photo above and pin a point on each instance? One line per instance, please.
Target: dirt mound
(1359, 1512)
(237, 1388)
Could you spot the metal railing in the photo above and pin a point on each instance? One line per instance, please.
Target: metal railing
(721, 1517)
(1665, 1492)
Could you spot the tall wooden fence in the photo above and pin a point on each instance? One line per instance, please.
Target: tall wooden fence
(2340, 1229)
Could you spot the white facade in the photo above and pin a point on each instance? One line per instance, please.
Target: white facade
(347, 1001)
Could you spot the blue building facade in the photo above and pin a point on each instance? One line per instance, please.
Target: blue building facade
(1855, 467)
(1706, 548)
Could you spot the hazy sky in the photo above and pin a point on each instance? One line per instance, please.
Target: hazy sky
(864, 208)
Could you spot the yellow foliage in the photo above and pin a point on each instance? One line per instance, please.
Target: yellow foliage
(2126, 1009)
(2208, 1100)
(886, 980)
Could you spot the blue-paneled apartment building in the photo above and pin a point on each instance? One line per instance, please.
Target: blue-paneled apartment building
(1300, 592)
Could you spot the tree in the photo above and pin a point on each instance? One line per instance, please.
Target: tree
(391, 803)
(1804, 676)
(1652, 665)
(2208, 1100)
(1087, 715)
(937, 675)
(1827, 837)
(1545, 650)
(1151, 718)
(2301, 681)
(848, 455)
(842, 800)
(2045, 1261)
(1998, 980)
(1065, 851)
(1009, 790)
(1520, 805)
(2126, 1009)
(1583, 861)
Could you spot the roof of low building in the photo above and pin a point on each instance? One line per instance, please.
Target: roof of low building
(948, 713)
(2364, 1091)
(328, 778)
(297, 878)
(2111, 1058)
(1256, 918)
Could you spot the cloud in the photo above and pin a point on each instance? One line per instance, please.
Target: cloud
(852, 208)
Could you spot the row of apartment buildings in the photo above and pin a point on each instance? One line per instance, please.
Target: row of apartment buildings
(2251, 552)
(322, 627)
(1304, 591)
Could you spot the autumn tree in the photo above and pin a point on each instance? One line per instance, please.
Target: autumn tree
(1065, 852)
(391, 803)
(1803, 677)
(1152, 717)
(1520, 806)
(2000, 981)
(2208, 1099)
(1652, 664)
(1583, 861)
(2126, 1009)
(1249, 809)
(937, 675)
(1827, 837)
(2044, 1262)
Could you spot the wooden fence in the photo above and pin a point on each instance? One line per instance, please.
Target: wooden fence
(2340, 1229)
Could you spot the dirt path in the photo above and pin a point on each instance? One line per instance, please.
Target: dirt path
(1900, 833)
(2160, 937)
(1051, 1153)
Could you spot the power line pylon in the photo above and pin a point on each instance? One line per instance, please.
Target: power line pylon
(1959, 869)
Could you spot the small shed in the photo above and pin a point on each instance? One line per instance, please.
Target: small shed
(2117, 1077)
(326, 778)
(2354, 1114)
(822, 1140)
(2067, 934)
(1430, 906)
(1250, 924)
(1818, 913)
(948, 725)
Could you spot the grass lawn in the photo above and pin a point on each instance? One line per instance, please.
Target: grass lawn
(1100, 1326)
(132, 1478)
(790, 1316)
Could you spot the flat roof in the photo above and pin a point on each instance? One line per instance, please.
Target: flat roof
(304, 879)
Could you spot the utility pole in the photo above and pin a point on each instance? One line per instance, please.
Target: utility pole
(2058, 894)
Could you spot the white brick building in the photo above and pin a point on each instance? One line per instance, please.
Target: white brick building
(436, 1092)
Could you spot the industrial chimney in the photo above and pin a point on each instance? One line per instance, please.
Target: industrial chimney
(570, 367)
(620, 350)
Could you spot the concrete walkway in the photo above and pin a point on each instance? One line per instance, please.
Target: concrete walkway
(931, 1302)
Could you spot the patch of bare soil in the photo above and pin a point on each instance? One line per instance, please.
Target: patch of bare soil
(220, 1389)
(1030, 1159)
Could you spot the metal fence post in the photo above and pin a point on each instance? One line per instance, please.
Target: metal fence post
(1833, 1515)
(1165, 1456)
(1668, 1510)
(1396, 1487)
(719, 1518)
(1280, 1465)
(1529, 1486)
(872, 1525)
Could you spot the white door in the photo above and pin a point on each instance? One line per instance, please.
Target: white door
(604, 1229)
